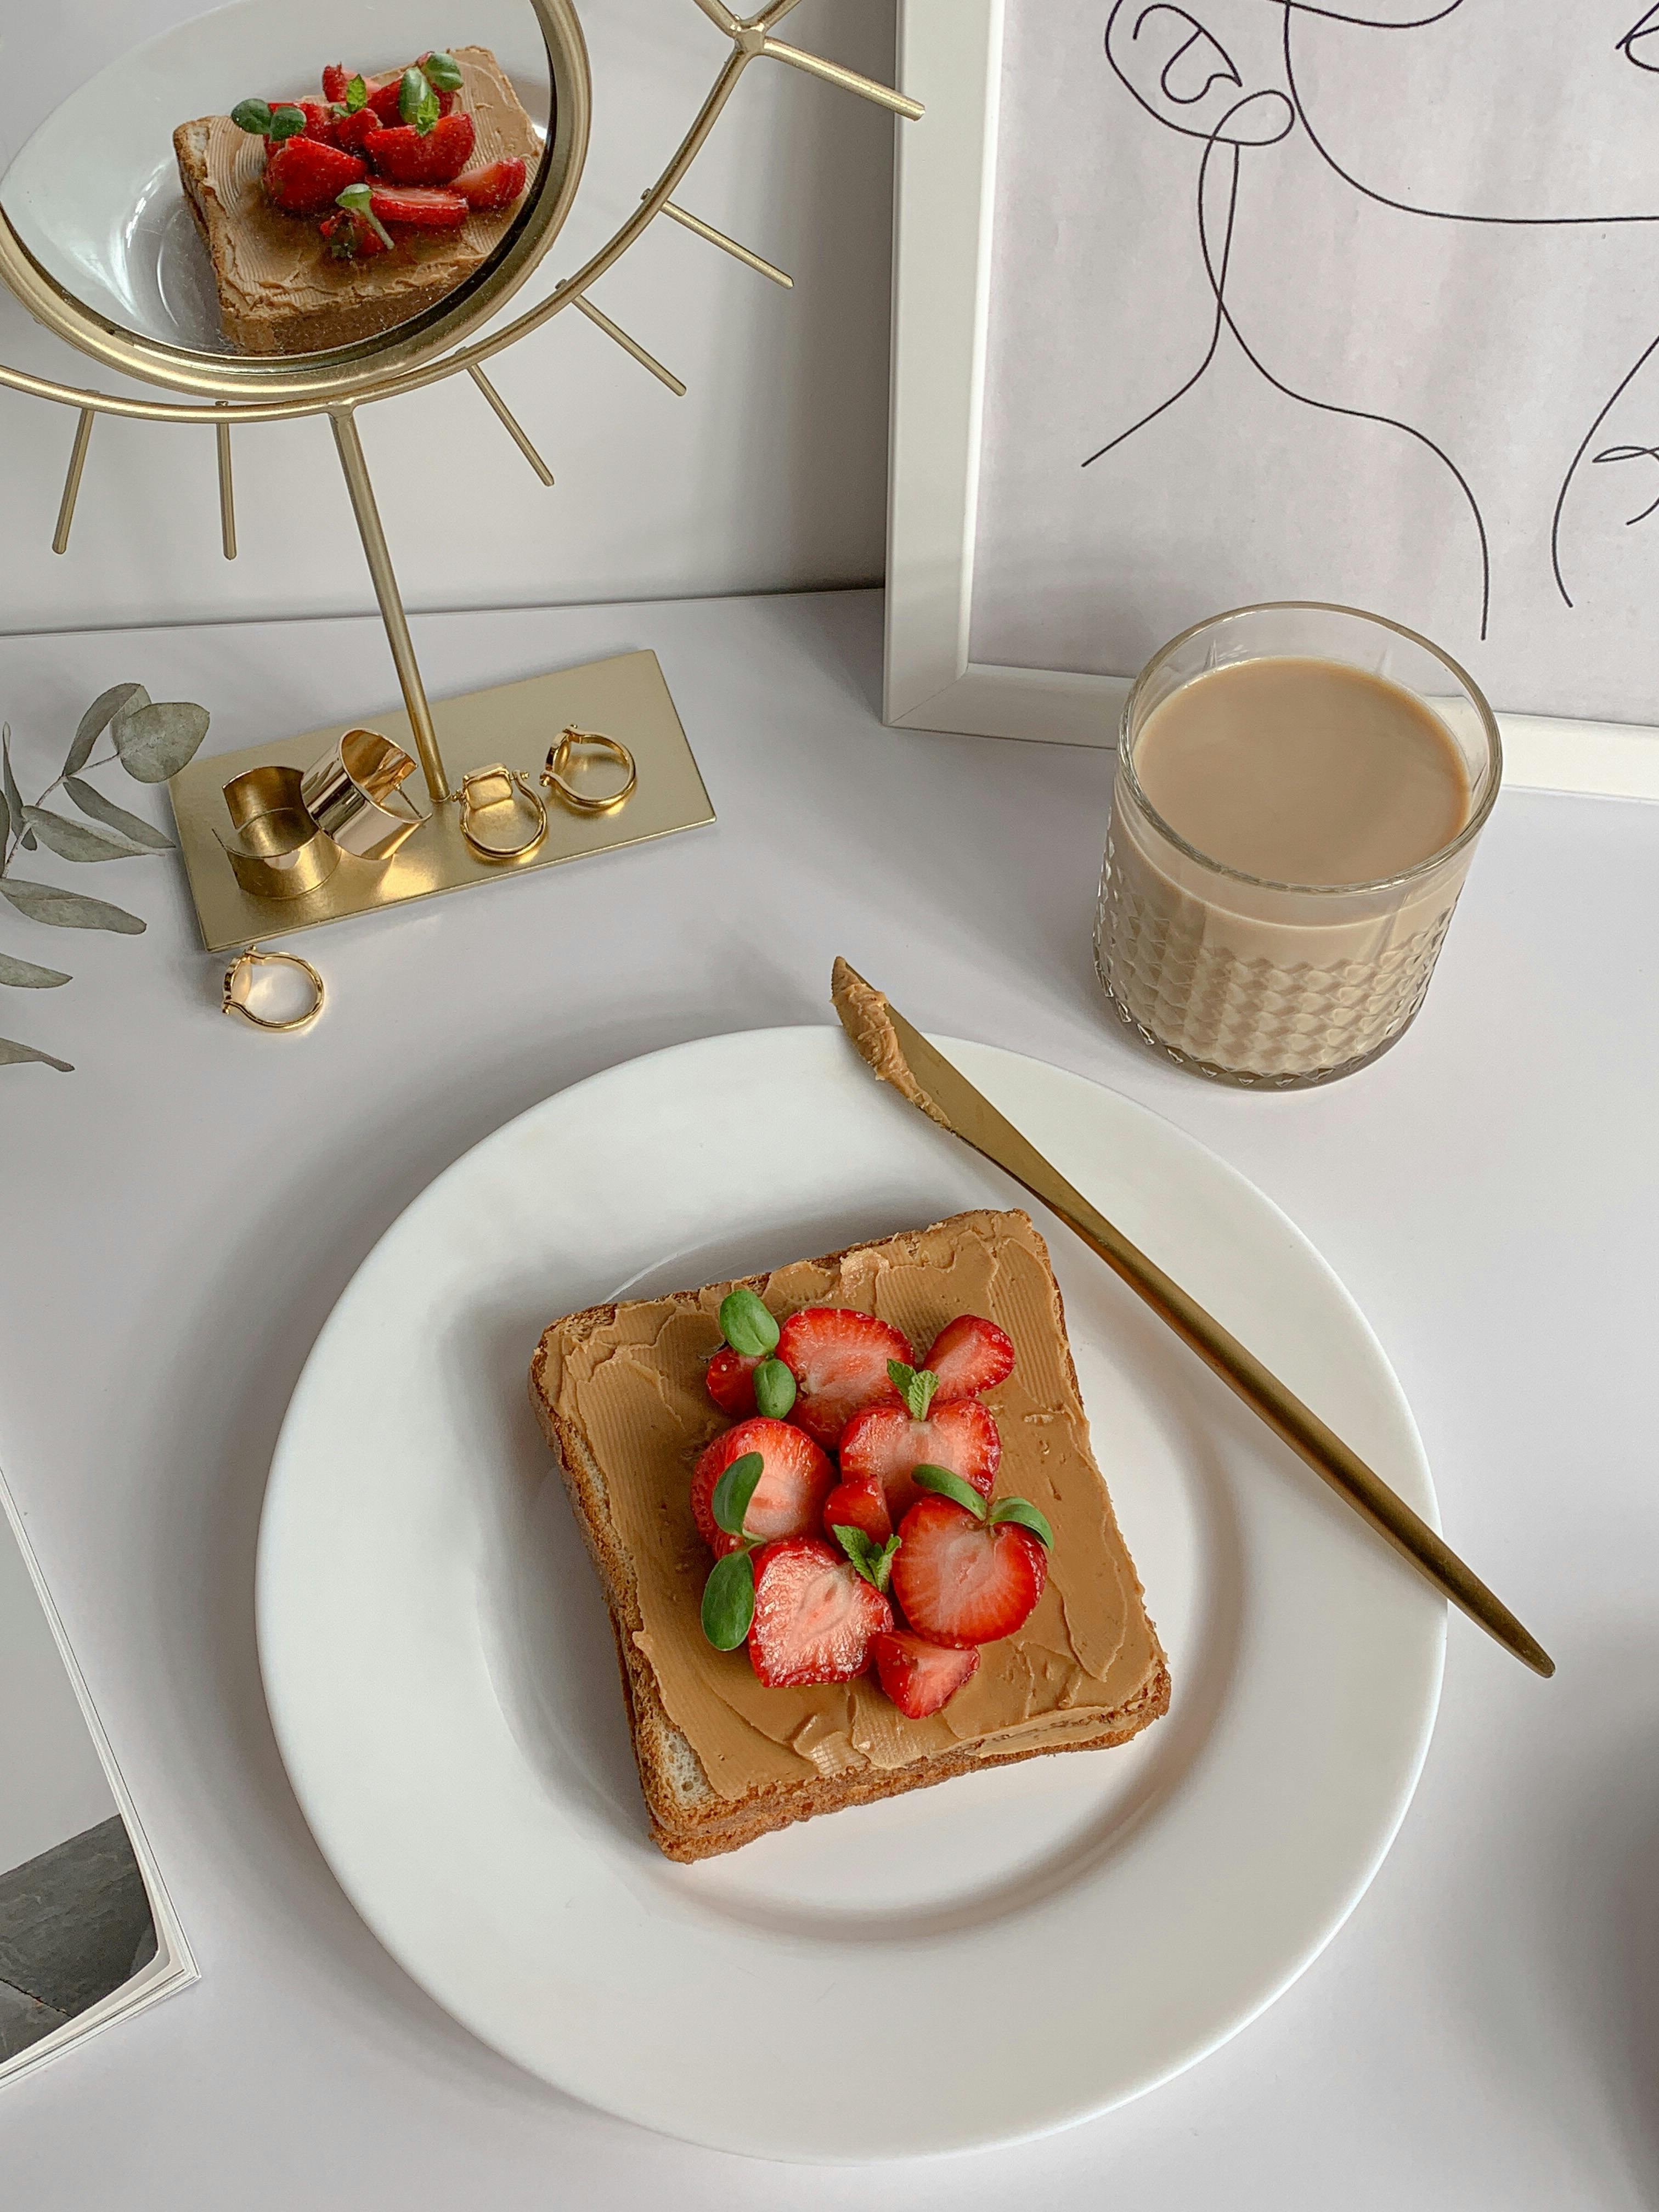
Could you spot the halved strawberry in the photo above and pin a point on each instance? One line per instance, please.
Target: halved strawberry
(732, 1381)
(961, 1580)
(883, 1445)
(814, 1615)
(408, 155)
(968, 1355)
(496, 187)
(919, 1676)
(789, 1499)
(838, 1356)
(302, 177)
(335, 77)
(858, 1505)
(350, 237)
(423, 207)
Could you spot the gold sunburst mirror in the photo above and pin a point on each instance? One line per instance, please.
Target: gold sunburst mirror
(307, 207)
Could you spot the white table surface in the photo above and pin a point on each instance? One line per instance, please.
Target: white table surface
(181, 1213)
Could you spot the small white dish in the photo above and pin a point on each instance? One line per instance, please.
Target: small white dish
(978, 1962)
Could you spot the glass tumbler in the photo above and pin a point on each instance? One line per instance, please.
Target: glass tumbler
(1277, 984)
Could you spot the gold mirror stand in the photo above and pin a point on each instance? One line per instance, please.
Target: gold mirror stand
(513, 724)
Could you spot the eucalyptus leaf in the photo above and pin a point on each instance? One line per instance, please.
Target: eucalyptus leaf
(5, 827)
(67, 909)
(728, 1600)
(943, 1484)
(73, 841)
(915, 1385)
(733, 1491)
(24, 975)
(12, 1053)
(155, 741)
(747, 1326)
(14, 797)
(774, 1391)
(97, 719)
(93, 802)
(1021, 1511)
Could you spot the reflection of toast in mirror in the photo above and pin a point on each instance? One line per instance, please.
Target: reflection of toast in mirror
(432, 160)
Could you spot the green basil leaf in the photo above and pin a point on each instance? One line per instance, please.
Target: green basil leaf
(413, 91)
(915, 1385)
(12, 1055)
(746, 1325)
(943, 1484)
(728, 1600)
(67, 909)
(356, 95)
(93, 802)
(734, 1490)
(24, 975)
(286, 122)
(1024, 1515)
(444, 71)
(774, 1391)
(874, 1563)
(253, 115)
(99, 717)
(155, 741)
(73, 841)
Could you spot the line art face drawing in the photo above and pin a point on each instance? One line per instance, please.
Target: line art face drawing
(1179, 71)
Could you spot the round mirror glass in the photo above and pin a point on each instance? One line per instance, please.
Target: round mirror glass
(280, 179)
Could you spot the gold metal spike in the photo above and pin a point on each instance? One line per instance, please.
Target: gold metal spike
(511, 424)
(60, 537)
(227, 494)
(849, 80)
(613, 331)
(743, 253)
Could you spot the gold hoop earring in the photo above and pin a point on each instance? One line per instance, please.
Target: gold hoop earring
(497, 785)
(239, 978)
(558, 760)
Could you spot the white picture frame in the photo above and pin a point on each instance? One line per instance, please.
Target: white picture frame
(950, 58)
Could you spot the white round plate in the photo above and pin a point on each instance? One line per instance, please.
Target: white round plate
(968, 1965)
(117, 232)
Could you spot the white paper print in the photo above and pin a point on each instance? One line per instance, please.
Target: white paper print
(1355, 301)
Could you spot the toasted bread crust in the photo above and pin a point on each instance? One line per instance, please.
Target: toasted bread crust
(689, 1820)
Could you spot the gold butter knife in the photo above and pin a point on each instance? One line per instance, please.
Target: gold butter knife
(903, 1057)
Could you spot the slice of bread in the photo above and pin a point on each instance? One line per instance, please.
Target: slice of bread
(618, 1390)
(280, 289)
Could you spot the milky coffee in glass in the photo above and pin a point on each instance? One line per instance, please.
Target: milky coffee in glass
(1299, 792)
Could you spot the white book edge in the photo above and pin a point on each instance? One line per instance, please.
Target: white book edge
(174, 1968)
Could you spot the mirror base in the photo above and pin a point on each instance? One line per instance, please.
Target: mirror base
(625, 697)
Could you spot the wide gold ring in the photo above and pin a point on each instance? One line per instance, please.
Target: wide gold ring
(239, 977)
(558, 759)
(497, 785)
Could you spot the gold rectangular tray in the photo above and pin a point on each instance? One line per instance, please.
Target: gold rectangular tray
(626, 697)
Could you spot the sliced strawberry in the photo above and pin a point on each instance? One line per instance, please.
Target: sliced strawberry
(408, 157)
(789, 1500)
(960, 1581)
(732, 1381)
(384, 92)
(968, 1355)
(496, 187)
(423, 207)
(858, 1505)
(351, 132)
(321, 122)
(814, 1615)
(838, 1356)
(302, 177)
(919, 1676)
(349, 237)
(335, 77)
(883, 1444)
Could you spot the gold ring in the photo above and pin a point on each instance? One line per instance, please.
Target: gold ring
(558, 759)
(497, 785)
(240, 974)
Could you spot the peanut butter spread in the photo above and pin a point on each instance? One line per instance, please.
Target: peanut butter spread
(633, 1387)
(280, 289)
